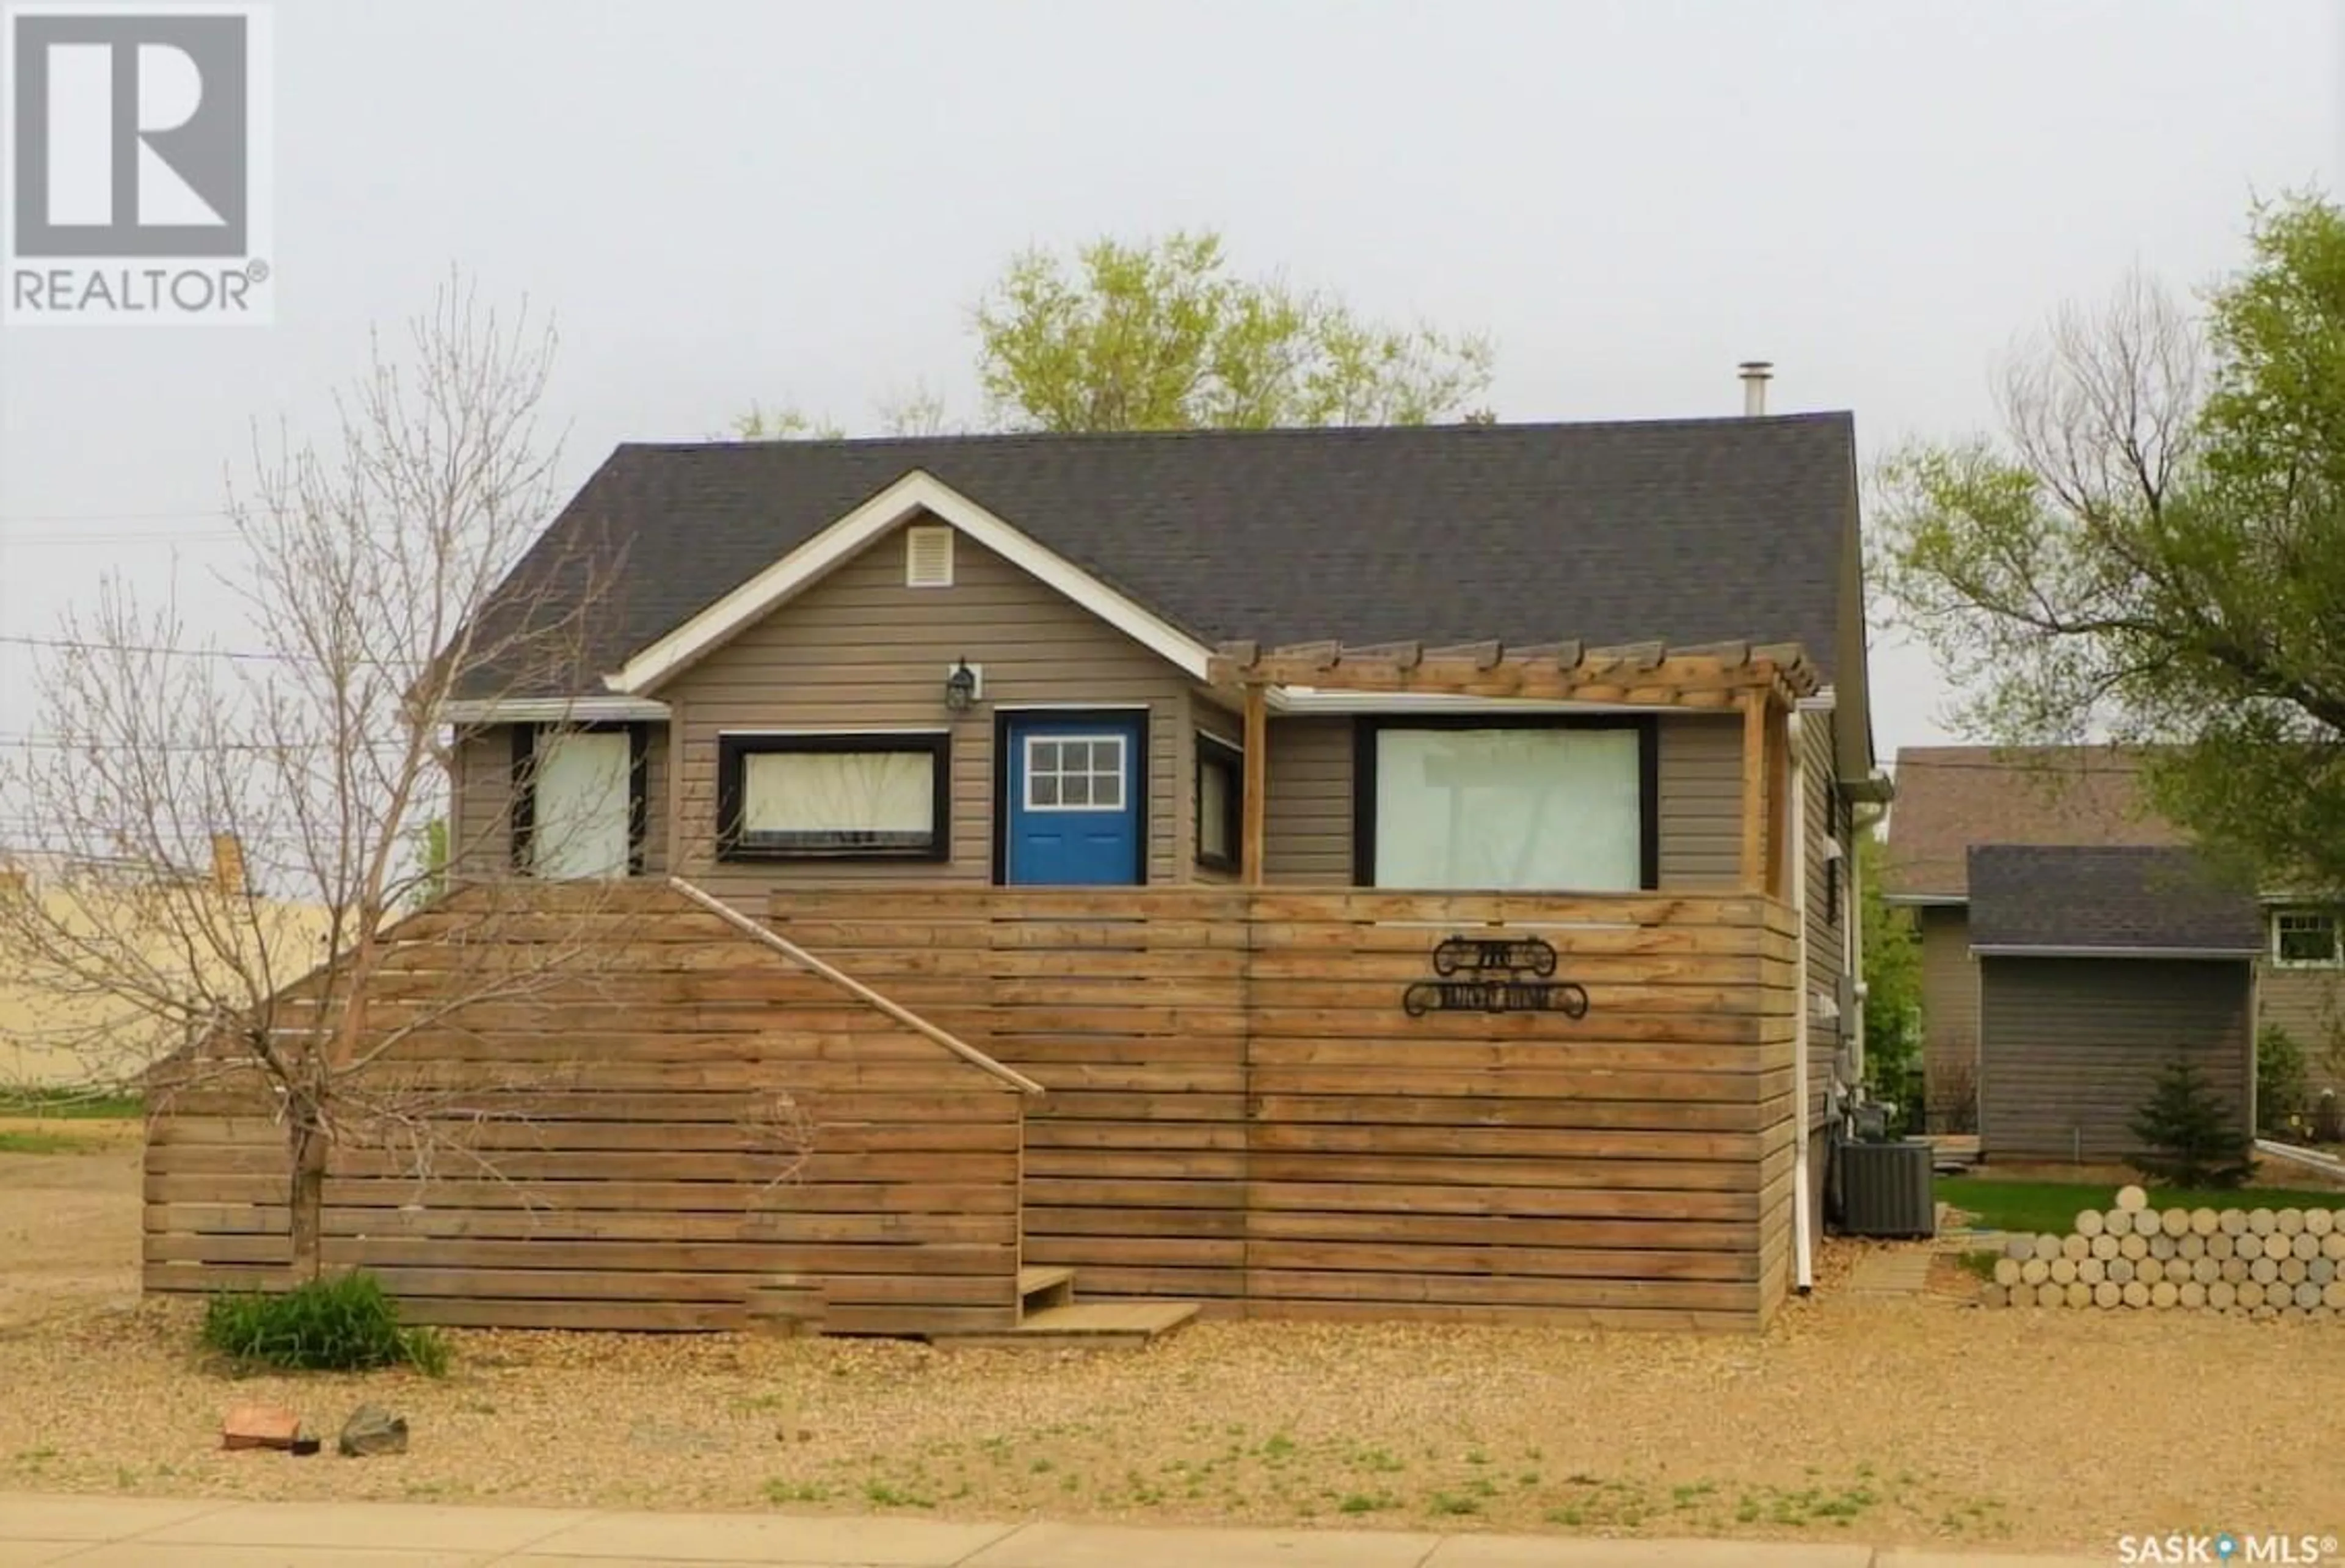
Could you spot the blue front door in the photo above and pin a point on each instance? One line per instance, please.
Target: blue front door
(1071, 811)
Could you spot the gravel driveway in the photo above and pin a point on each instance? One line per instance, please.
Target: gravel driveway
(1899, 1421)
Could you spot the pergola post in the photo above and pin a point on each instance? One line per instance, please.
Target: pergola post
(1254, 803)
(1779, 803)
(1755, 877)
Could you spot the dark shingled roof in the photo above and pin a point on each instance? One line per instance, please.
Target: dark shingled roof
(1688, 530)
(2115, 897)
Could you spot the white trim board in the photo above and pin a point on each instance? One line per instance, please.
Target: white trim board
(2004, 950)
(552, 711)
(1926, 900)
(918, 491)
(829, 732)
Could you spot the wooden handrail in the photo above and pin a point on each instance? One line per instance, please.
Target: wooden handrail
(853, 986)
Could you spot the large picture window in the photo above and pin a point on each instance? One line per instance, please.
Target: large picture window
(1545, 807)
(838, 796)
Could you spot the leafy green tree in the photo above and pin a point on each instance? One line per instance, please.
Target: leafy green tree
(1893, 989)
(2189, 1136)
(1160, 335)
(2154, 550)
(433, 883)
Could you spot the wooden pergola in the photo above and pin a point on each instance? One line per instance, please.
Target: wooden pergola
(1763, 682)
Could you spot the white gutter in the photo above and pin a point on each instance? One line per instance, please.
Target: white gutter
(1852, 914)
(1803, 1241)
(550, 710)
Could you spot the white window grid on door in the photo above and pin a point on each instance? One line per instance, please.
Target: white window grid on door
(1074, 773)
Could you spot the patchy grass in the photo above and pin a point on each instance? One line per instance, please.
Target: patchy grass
(70, 1105)
(2038, 1207)
(1980, 1263)
(38, 1140)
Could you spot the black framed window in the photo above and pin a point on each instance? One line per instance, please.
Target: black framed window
(581, 800)
(842, 796)
(1221, 802)
(1540, 803)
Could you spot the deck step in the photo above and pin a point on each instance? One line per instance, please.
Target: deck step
(1042, 1288)
(1086, 1326)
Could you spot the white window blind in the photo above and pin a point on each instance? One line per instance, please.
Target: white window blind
(841, 799)
(1545, 809)
(579, 808)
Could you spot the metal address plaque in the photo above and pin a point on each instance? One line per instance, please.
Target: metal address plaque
(1495, 975)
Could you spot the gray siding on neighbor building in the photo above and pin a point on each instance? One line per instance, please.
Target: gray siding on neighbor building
(480, 793)
(2309, 1003)
(1950, 1013)
(2070, 1047)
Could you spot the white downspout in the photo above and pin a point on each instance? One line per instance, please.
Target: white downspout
(1803, 1241)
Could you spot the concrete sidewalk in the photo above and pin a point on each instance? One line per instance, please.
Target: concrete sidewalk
(152, 1532)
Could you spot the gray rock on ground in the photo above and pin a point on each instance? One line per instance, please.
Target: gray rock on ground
(372, 1430)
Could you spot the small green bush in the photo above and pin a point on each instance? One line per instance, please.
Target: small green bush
(342, 1324)
(2281, 1085)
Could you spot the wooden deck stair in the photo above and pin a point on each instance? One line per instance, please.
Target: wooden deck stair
(1049, 1318)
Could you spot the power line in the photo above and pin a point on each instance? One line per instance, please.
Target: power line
(63, 743)
(112, 516)
(73, 646)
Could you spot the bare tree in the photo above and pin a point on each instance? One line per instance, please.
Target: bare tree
(388, 572)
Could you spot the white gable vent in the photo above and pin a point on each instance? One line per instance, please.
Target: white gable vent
(928, 557)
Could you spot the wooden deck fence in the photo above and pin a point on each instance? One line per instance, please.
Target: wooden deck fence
(1241, 1111)
(659, 1133)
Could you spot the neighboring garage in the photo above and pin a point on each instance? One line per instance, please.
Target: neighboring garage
(2097, 967)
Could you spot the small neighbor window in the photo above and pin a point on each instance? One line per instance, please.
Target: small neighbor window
(2305, 936)
(840, 797)
(1221, 776)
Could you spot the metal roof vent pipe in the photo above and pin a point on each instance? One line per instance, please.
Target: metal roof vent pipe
(1755, 373)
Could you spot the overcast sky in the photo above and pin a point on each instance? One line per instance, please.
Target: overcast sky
(778, 201)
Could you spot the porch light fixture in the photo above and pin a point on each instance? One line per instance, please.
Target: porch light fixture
(961, 688)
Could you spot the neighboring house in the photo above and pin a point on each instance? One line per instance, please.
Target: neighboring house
(137, 919)
(1951, 799)
(2096, 967)
(988, 661)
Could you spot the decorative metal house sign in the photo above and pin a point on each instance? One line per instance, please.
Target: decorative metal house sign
(1495, 975)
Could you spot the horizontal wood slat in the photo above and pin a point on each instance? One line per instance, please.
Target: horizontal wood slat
(1240, 1112)
(634, 1116)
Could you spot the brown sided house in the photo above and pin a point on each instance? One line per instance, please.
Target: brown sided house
(1952, 799)
(2097, 967)
(1180, 752)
